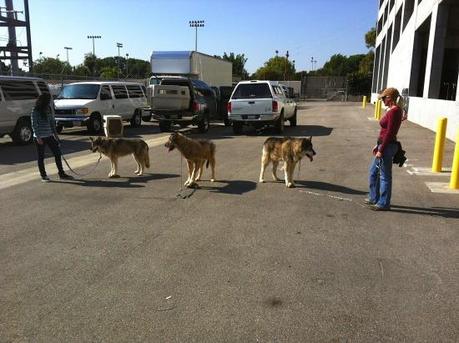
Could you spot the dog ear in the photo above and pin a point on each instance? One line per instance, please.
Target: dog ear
(310, 138)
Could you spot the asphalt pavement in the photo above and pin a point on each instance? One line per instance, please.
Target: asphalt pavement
(140, 259)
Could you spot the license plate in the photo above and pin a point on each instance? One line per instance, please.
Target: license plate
(251, 117)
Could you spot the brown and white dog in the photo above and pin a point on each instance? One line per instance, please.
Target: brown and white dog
(114, 148)
(196, 152)
(287, 149)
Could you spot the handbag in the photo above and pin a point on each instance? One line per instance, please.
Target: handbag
(399, 157)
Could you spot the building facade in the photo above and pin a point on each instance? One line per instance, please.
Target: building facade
(417, 51)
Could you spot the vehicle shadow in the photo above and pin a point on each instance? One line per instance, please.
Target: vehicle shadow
(433, 211)
(299, 130)
(122, 182)
(233, 187)
(328, 187)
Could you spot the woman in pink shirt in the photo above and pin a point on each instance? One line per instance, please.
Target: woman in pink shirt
(380, 173)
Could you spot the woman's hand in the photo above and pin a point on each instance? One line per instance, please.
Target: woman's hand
(378, 154)
(40, 141)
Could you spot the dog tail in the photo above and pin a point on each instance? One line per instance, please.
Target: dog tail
(212, 153)
(147, 158)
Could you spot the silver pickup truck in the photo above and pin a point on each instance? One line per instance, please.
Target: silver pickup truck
(260, 103)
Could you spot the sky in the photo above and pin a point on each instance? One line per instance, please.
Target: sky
(255, 28)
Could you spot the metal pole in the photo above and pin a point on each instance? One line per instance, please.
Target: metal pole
(93, 47)
(196, 40)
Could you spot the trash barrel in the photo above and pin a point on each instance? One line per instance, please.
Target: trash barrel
(113, 126)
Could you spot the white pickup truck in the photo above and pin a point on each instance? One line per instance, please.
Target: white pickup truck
(260, 103)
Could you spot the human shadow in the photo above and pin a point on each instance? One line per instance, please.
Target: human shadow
(328, 187)
(121, 182)
(433, 211)
(233, 187)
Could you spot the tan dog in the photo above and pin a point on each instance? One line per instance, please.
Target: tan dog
(114, 148)
(196, 153)
(287, 149)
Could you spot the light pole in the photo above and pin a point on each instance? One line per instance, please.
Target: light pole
(119, 46)
(67, 48)
(312, 63)
(127, 65)
(196, 24)
(277, 52)
(93, 44)
(57, 57)
(285, 65)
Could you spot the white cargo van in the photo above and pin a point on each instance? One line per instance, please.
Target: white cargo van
(85, 104)
(17, 99)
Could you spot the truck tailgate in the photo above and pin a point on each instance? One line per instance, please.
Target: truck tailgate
(169, 97)
(251, 106)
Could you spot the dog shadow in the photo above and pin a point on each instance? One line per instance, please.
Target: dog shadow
(328, 187)
(233, 187)
(434, 211)
(121, 182)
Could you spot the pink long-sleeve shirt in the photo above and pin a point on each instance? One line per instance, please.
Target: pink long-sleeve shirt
(390, 124)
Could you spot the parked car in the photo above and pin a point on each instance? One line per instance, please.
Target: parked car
(183, 101)
(18, 96)
(85, 103)
(260, 103)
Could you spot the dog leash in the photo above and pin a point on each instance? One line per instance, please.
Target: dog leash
(70, 168)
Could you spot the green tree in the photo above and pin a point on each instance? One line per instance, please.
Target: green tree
(238, 61)
(109, 73)
(370, 38)
(276, 68)
(48, 65)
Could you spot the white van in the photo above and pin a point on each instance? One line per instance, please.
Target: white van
(17, 99)
(85, 103)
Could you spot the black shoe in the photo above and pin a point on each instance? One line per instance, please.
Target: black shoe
(45, 179)
(378, 208)
(64, 176)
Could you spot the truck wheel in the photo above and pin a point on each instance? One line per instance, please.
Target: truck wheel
(227, 122)
(147, 117)
(293, 119)
(237, 128)
(95, 124)
(22, 133)
(203, 125)
(59, 128)
(136, 120)
(280, 124)
(164, 126)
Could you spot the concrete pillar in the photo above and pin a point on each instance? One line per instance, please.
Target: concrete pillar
(441, 27)
(430, 50)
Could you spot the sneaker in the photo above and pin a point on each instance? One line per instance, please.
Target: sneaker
(378, 208)
(368, 202)
(45, 179)
(64, 176)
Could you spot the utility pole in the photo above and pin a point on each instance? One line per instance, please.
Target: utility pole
(119, 46)
(67, 48)
(196, 24)
(93, 44)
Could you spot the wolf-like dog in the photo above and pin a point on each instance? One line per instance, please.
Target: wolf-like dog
(114, 148)
(196, 152)
(287, 149)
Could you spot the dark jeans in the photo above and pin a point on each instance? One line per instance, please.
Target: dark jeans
(52, 143)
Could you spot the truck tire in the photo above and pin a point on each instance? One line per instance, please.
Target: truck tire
(59, 128)
(147, 117)
(237, 128)
(22, 133)
(203, 125)
(136, 120)
(293, 119)
(280, 124)
(227, 122)
(164, 126)
(95, 124)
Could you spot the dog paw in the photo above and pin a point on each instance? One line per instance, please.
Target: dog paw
(261, 181)
(291, 185)
(114, 176)
(212, 180)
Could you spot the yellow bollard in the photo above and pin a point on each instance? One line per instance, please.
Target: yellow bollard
(439, 145)
(379, 110)
(376, 109)
(364, 101)
(454, 182)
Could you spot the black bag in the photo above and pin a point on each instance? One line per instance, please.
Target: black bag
(399, 157)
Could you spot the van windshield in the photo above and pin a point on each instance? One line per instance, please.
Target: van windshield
(87, 91)
(248, 91)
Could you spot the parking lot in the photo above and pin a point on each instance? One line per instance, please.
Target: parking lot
(142, 259)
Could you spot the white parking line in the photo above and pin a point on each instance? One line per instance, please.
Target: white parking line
(30, 174)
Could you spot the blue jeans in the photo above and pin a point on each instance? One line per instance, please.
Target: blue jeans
(380, 177)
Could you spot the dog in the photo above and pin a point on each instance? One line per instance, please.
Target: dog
(114, 148)
(196, 152)
(287, 149)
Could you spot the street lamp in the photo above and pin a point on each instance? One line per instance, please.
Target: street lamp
(196, 24)
(57, 57)
(119, 46)
(93, 45)
(127, 65)
(67, 48)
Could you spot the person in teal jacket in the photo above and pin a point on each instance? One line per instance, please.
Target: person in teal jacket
(44, 131)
